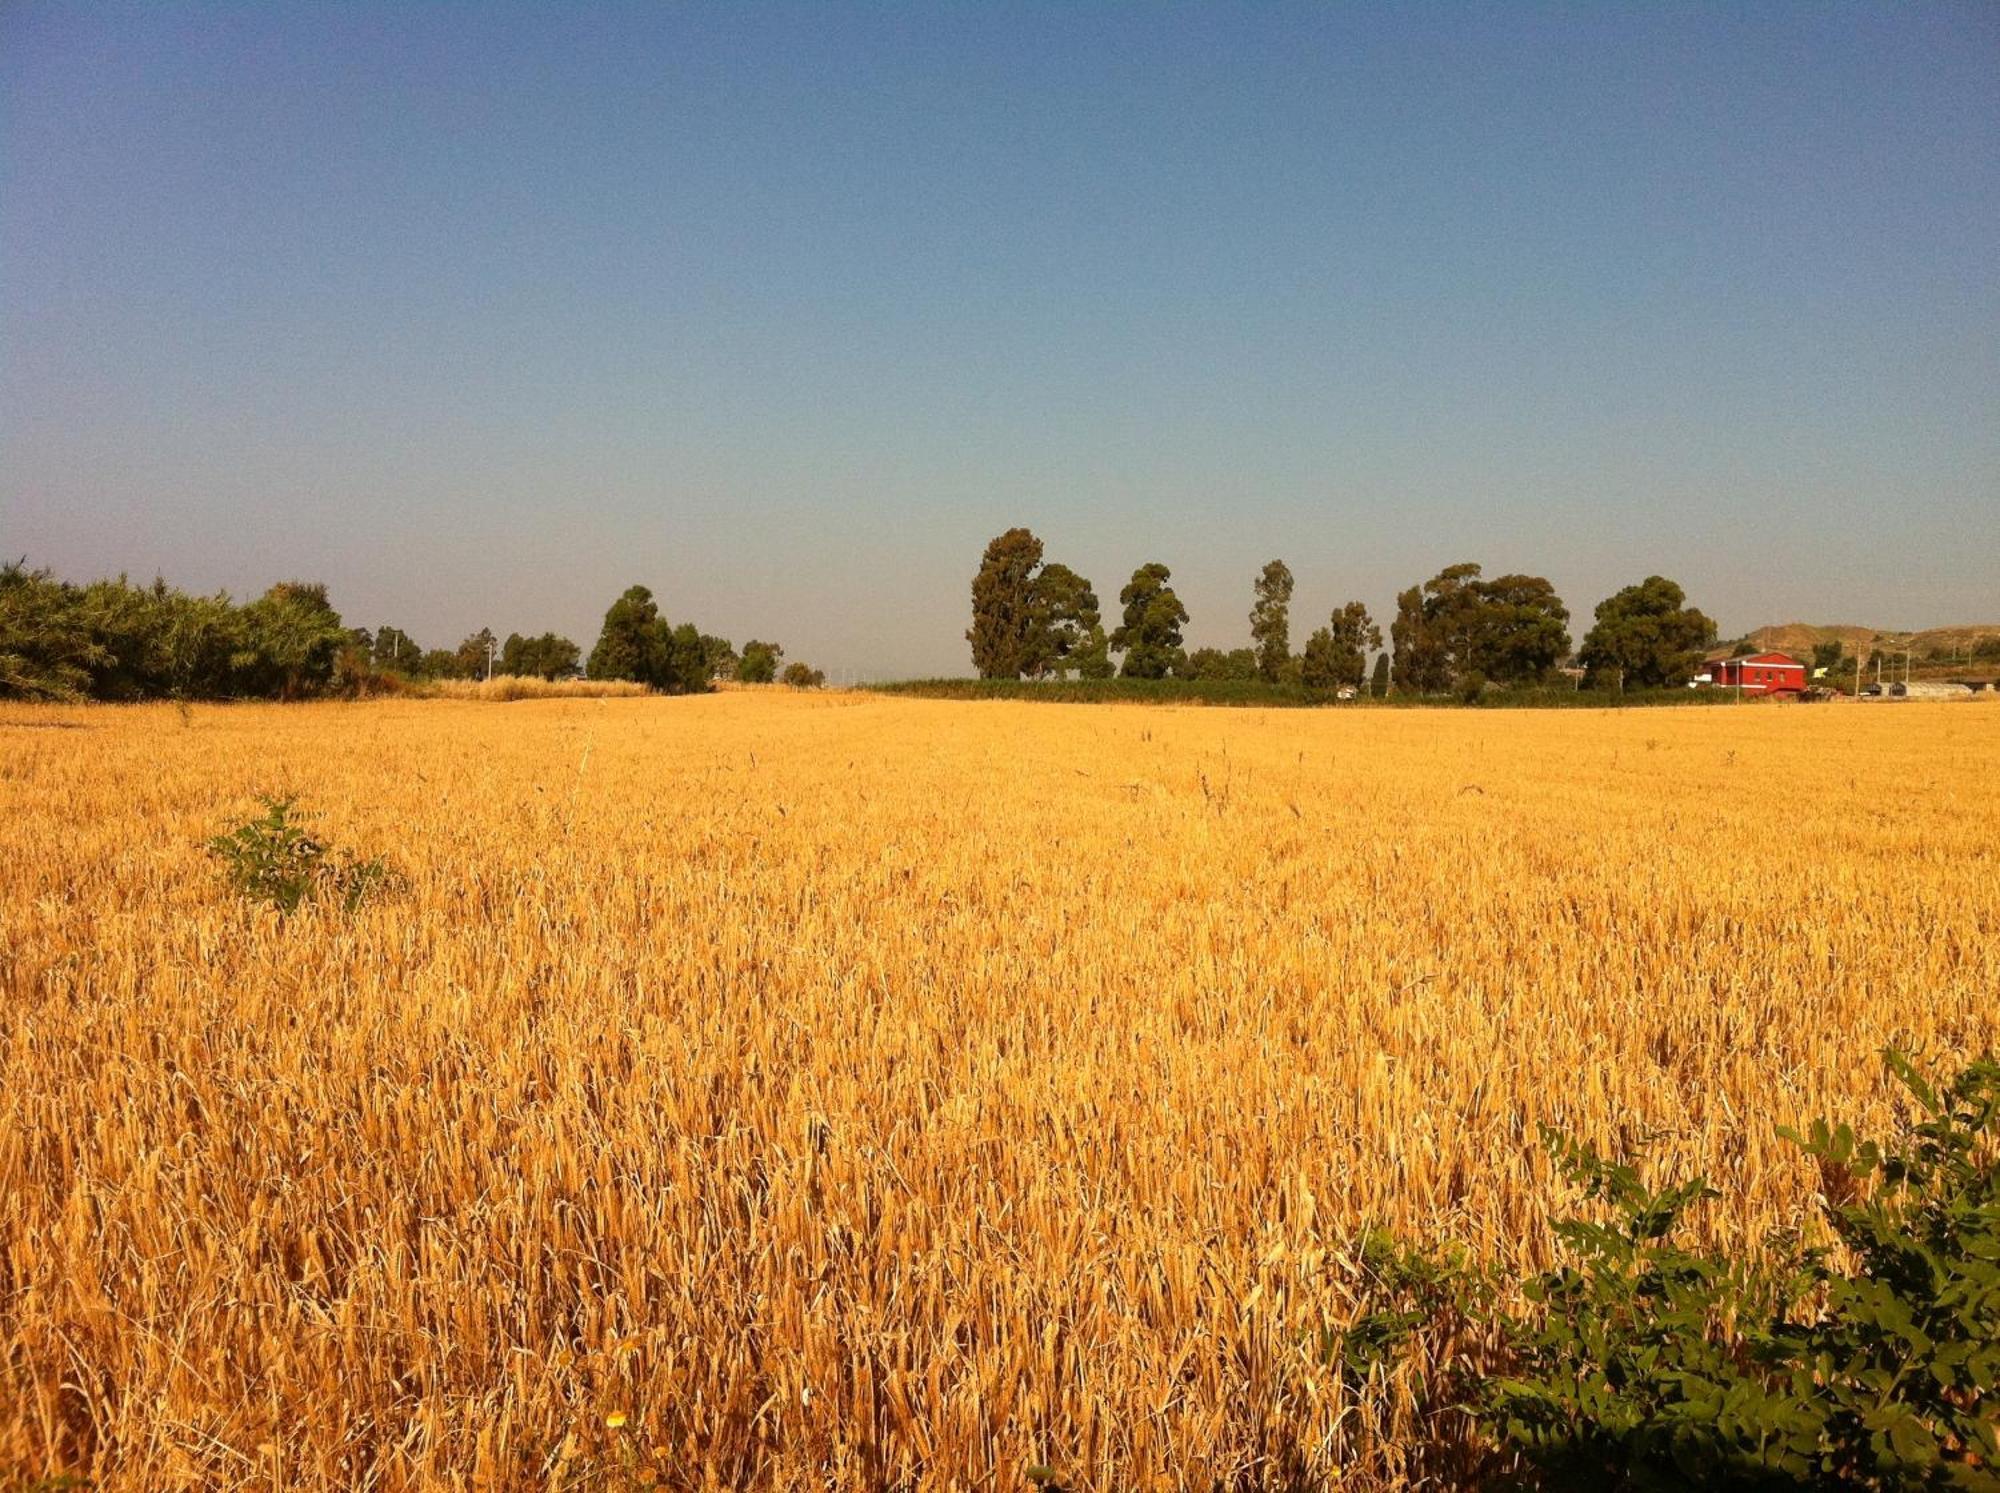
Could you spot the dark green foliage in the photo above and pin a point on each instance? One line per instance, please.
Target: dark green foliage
(1336, 656)
(1421, 664)
(632, 644)
(1029, 619)
(1318, 665)
(1271, 622)
(719, 656)
(1212, 663)
(686, 670)
(111, 640)
(545, 657)
(48, 649)
(1003, 628)
(637, 643)
(1512, 629)
(759, 664)
(1093, 656)
(802, 676)
(393, 649)
(296, 635)
(1518, 630)
(1179, 689)
(474, 656)
(1646, 637)
(273, 859)
(1065, 624)
(438, 663)
(1402, 1289)
(1150, 635)
(1378, 682)
(1643, 1363)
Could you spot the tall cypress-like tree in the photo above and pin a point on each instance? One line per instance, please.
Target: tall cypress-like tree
(1003, 606)
(1271, 622)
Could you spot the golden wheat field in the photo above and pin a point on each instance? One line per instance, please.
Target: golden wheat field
(801, 1091)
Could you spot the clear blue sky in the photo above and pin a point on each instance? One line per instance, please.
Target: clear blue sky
(482, 312)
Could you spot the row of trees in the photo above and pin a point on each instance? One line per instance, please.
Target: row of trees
(638, 643)
(391, 650)
(1457, 630)
(112, 640)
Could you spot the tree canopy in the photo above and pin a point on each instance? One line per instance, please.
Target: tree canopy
(1511, 630)
(637, 643)
(1336, 655)
(1150, 635)
(1648, 636)
(1003, 606)
(1271, 622)
(545, 657)
(759, 663)
(1030, 619)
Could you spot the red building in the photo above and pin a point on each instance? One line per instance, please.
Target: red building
(1759, 674)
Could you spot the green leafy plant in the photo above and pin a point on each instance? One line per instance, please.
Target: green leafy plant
(1642, 1363)
(273, 859)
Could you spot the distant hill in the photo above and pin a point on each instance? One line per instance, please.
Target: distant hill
(1799, 639)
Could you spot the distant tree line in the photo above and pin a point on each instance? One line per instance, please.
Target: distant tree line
(113, 640)
(1456, 632)
(638, 643)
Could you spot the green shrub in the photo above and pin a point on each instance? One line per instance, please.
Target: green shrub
(273, 859)
(1642, 1363)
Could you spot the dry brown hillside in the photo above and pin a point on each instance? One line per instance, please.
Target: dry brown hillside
(1799, 638)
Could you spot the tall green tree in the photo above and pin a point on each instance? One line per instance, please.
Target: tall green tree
(719, 654)
(1318, 662)
(1150, 635)
(1003, 631)
(1512, 630)
(545, 657)
(686, 665)
(1271, 621)
(475, 654)
(1064, 616)
(1378, 682)
(1647, 636)
(633, 642)
(1354, 636)
(1093, 656)
(759, 664)
(392, 648)
(1422, 657)
(293, 635)
(1519, 629)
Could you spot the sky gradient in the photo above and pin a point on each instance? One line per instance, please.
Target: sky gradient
(481, 313)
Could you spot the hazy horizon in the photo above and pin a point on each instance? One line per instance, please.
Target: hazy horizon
(481, 314)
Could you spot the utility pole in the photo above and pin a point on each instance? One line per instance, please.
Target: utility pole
(491, 644)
